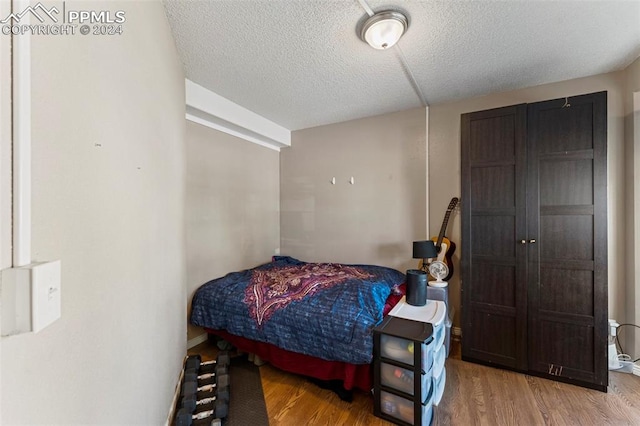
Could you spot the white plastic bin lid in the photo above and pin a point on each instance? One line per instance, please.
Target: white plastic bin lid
(434, 312)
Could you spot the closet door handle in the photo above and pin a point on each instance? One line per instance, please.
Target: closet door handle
(523, 241)
(532, 241)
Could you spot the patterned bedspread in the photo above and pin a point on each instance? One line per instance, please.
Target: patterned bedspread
(326, 310)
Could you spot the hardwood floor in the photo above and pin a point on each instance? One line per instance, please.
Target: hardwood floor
(474, 395)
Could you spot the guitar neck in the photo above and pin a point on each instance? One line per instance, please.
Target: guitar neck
(443, 228)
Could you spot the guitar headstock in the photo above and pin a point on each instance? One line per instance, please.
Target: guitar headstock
(452, 204)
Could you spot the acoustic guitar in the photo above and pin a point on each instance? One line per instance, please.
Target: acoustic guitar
(445, 247)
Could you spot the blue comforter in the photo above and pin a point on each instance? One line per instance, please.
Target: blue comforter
(326, 310)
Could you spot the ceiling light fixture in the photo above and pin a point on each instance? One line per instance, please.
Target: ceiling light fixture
(384, 29)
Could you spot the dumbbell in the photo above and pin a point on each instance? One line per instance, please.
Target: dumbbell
(219, 380)
(220, 387)
(191, 375)
(195, 362)
(218, 369)
(220, 407)
(185, 417)
(208, 392)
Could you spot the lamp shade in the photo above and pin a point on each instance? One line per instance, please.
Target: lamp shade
(424, 249)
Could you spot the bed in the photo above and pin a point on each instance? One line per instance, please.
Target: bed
(314, 319)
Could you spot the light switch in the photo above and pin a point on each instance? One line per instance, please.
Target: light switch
(31, 297)
(45, 296)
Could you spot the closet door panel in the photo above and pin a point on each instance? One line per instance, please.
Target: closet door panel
(494, 235)
(561, 357)
(496, 346)
(565, 129)
(566, 183)
(566, 199)
(485, 180)
(496, 283)
(493, 269)
(574, 296)
(491, 138)
(566, 237)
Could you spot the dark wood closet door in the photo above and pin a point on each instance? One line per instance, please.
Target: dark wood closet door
(494, 281)
(567, 239)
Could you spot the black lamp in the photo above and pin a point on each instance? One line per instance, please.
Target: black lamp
(424, 250)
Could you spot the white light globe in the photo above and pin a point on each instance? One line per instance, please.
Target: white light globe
(384, 29)
(384, 34)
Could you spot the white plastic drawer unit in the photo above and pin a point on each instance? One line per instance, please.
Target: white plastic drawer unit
(438, 386)
(439, 357)
(404, 380)
(403, 408)
(434, 312)
(403, 362)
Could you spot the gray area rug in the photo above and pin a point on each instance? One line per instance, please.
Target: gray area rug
(246, 405)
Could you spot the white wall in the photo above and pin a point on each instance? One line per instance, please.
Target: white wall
(108, 200)
(376, 219)
(5, 145)
(232, 206)
(5, 159)
(632, 179)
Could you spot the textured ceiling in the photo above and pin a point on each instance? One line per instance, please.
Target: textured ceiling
(301, 63)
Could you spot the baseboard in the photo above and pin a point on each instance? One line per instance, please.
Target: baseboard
(456, 331)
(176, 395)
(636, 369)
(197, 340)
